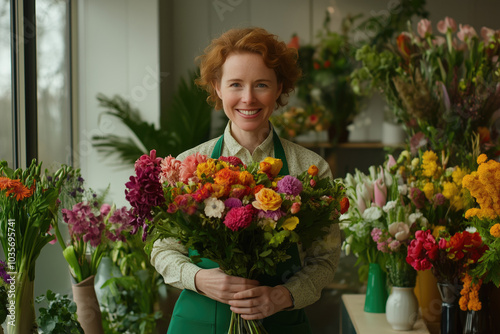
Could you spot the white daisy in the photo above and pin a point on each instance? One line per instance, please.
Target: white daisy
(214, 207)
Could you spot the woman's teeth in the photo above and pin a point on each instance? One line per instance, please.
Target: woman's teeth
(248, 112)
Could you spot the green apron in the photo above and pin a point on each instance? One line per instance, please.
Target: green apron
(197, 314)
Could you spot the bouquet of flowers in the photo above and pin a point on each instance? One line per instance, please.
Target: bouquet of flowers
(297, 120)
(242, 217)
(439, 85)
(484, 186)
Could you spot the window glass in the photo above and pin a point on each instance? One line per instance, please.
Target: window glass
(6, 131)
(53, 80)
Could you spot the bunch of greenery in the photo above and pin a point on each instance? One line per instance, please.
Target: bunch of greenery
(129, 299)
(185, 123)
(59, 316)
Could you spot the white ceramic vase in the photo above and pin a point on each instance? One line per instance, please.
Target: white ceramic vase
(401, 309)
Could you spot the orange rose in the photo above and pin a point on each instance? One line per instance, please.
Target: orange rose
(271, 166)
(267, 199)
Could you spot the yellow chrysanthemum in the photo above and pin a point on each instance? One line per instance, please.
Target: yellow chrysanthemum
(458, 175)
(495, 230)
(428, 190)
(429, 164)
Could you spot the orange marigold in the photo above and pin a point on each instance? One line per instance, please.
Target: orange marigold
(495, 230)
(482, 158)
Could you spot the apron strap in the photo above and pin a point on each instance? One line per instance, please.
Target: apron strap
(279, 152)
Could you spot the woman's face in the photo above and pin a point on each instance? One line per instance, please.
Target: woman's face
(248, 90)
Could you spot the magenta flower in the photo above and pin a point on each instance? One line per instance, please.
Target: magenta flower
(84, 224)
(233, 161)
(274, 215)
(289, 185)
(417, 197)
(239, 218)
(233, 203)
(144, 190)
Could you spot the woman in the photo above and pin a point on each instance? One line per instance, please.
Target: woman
(247, 73)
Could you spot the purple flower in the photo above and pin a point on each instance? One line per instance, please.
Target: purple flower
(3, 273)
(439, 199)
(233, 203)
(417, 197)
(274, 215)
(83, 223)
(144, 190)
(289, 185)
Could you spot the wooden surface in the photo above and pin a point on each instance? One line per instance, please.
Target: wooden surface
(373, 323)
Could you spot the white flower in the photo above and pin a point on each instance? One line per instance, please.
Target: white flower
(347, 249)
(372, 213)
(403, 189)
(389, 206)
(400, 231)
(471, 229)
(214, 207)
(360, 229)
(414, 217)
(349, 239)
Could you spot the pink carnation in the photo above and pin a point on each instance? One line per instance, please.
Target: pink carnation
(376, 233)
(170, 170)
(188, 167)
(238, 218)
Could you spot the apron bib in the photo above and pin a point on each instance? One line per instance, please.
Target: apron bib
(197, 314)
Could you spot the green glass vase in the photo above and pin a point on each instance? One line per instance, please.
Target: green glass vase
(376, 290)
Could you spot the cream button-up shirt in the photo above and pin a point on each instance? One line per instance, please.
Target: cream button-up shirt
(319, 262)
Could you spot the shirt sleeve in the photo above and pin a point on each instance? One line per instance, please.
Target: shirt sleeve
(170, 259)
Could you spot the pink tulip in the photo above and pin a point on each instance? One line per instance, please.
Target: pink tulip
(448, 24)
(424, 28)
(391, 162)
(361, 204)
(438, 40)
(380, 192)
(466, 32)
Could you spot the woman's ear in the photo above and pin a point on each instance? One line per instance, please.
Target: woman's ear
(216, 86)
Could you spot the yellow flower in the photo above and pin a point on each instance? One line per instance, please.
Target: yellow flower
(438, 229)
(290, 224)
(482, 158)
(271, 166)
(429, 164)
(267, 199)
(429, 190)
(246, 179)
(209, 168)
(458, 174)
(495, 230)
(450, 190)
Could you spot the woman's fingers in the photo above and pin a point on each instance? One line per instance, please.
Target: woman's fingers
(261, 302)
(216, 285)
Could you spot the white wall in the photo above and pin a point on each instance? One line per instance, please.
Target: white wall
(118, 54)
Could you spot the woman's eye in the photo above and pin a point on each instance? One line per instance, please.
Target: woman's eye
(235, 84)
(262, 85)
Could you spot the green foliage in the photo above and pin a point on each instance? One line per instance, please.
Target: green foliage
(129, 299)
(59, 316)
(186, 124)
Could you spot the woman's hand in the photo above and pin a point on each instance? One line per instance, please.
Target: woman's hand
(261, 302)
(216, 285)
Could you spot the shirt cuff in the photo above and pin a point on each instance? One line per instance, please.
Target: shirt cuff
(188, 274)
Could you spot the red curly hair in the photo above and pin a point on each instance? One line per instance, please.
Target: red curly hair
(276, 55)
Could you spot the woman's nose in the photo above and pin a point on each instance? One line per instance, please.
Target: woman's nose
(248, 95)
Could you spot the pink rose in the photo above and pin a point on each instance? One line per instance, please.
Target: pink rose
(447, 24)
(187, 169)
(425, 264)
(466, 32)
(380, 191)
(170, 170)
(424, 28)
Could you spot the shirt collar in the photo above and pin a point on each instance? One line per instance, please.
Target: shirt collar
(265, 148)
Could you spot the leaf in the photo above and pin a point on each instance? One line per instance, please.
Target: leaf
(265, 253)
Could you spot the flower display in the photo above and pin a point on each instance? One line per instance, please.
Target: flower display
(442, 86)
(242, 217)
(381, 221)
(484, 187)
(295, 121)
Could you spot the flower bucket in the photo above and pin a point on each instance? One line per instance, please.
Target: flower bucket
(450, 310)
(376, 290)
(429, 299)
(24, 308)
(87, 306)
